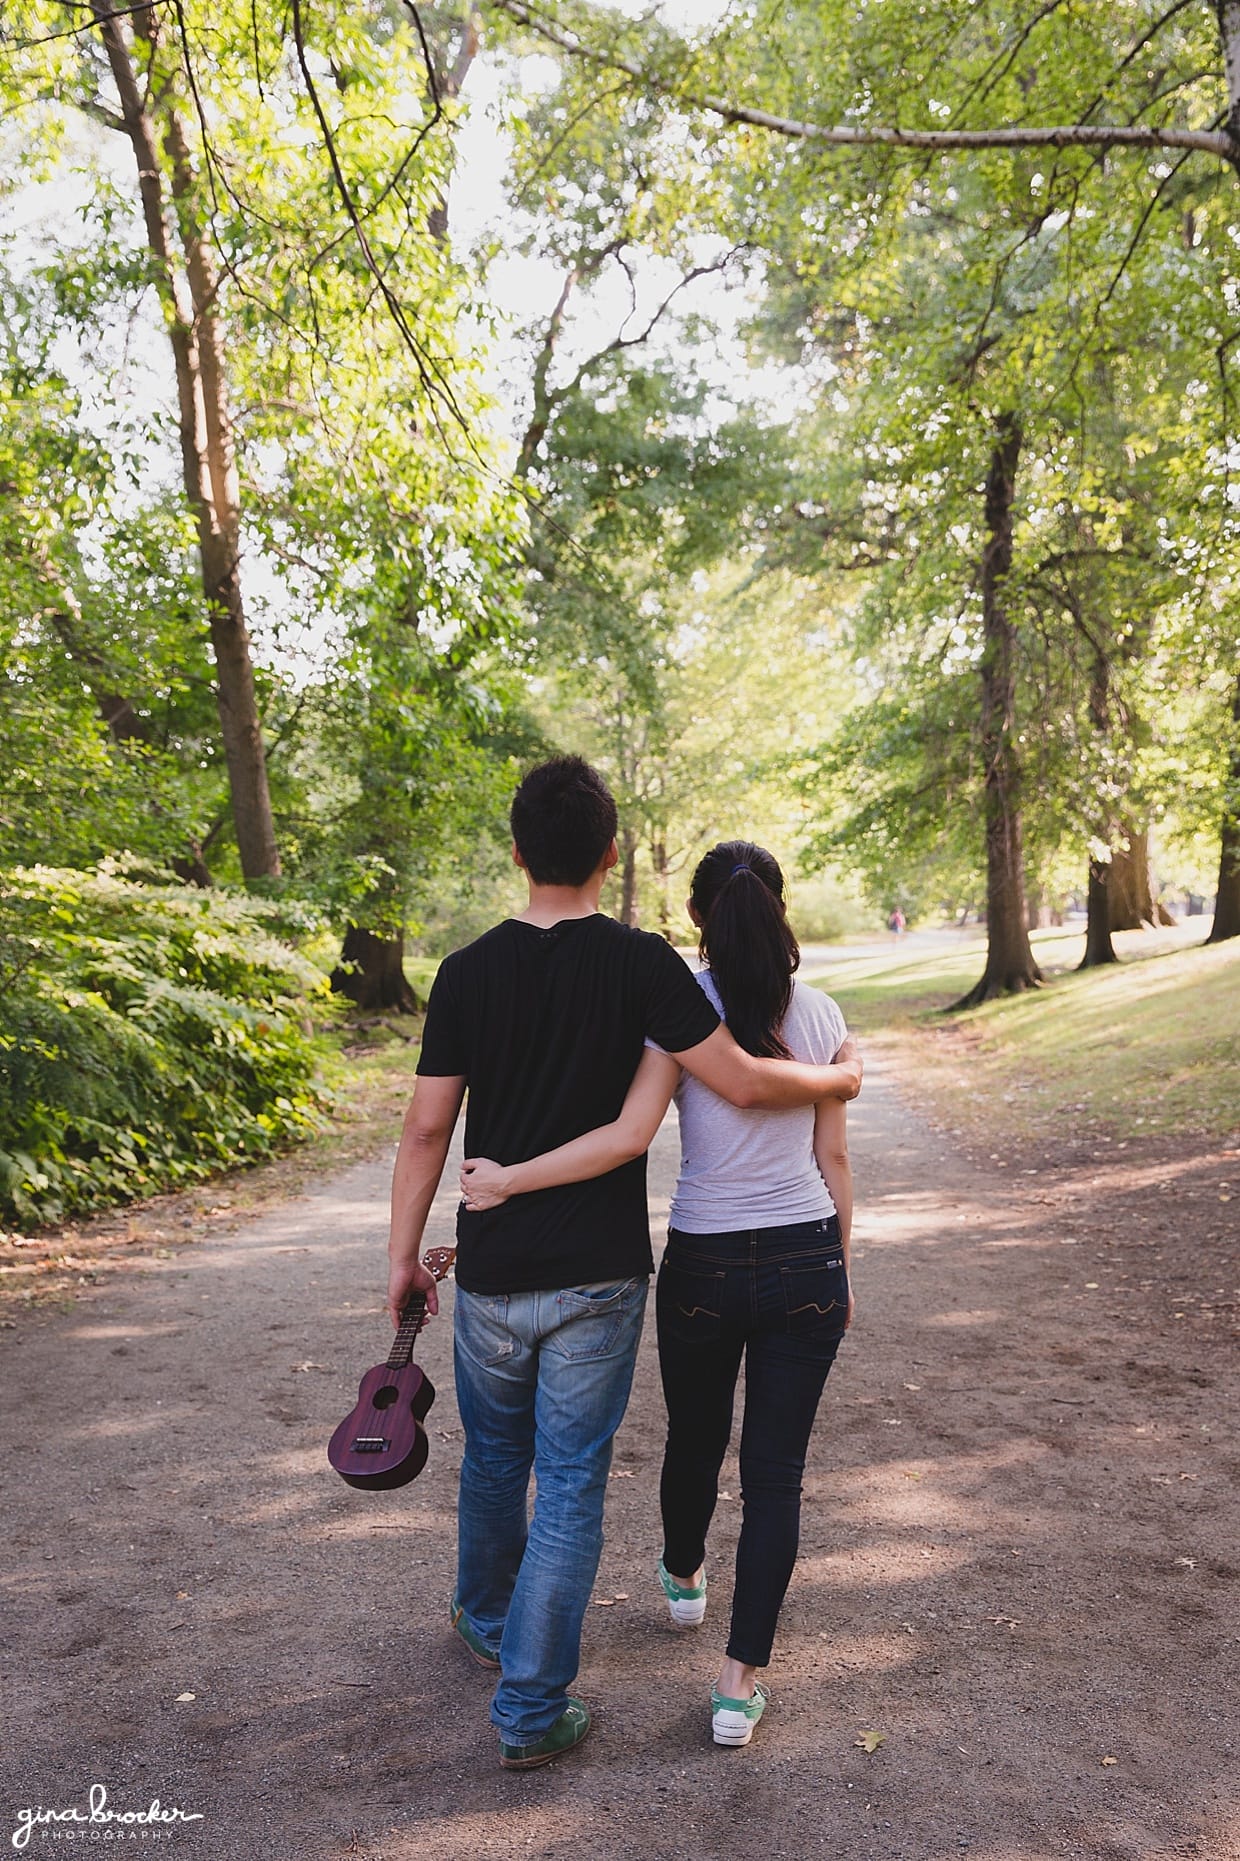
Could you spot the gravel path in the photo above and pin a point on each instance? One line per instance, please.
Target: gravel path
(1018, 1559)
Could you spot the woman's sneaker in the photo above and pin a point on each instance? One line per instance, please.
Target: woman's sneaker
(686, 1602)
(733, 1720)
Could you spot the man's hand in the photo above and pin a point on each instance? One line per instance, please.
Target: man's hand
(484, 1184)
(408, 1276)
(849, 1055)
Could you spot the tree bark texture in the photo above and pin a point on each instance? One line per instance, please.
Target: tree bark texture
(1098, 946)
(208, 465)
(1099, 949)
(1010, 966)
(1227, 906)
(1133, 905)
(371, 972)
(1229, 37)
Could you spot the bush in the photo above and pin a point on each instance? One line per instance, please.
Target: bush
(149, 1036)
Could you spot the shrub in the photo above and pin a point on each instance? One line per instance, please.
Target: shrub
(149, 1036)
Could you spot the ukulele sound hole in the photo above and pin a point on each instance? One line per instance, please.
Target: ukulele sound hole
(385, 1397)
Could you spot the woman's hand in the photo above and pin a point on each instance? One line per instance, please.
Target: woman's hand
(484, 1184)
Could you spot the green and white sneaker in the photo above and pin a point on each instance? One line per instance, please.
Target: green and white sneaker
(733, 1720)
(686, 1602)
(565, 1735)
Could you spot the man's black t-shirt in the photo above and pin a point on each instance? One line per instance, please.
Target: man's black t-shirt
(547, 1026)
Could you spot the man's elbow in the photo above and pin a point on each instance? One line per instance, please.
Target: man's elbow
(424, 1137)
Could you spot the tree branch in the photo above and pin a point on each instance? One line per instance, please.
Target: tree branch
(1062, 136)
(88, 25)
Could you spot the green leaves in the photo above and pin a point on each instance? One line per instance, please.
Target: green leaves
(148, 1036)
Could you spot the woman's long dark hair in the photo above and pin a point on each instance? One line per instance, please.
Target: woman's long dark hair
(738, 893)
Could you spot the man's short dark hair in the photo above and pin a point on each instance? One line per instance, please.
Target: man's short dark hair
(563, 821)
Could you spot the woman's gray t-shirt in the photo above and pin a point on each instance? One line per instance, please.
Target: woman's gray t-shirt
(755, 1169)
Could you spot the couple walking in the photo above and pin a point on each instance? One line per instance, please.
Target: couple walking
(571, 1033)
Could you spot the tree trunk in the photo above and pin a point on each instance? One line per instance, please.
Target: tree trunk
(628, 877)
(372, 974)
(449, 84)
(1041, 911)
(658, 859)
(1227, 906)
(1133, 905)
(1009, 957)
(207, 460)
(1098, 946)
(1099, 949)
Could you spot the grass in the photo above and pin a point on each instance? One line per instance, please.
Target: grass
(1145, 1048)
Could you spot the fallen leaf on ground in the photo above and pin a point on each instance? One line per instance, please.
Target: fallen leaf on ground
(870, 1741)
(185, 1696)
(1110, 1760)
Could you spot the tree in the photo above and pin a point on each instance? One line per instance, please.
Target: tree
(329, 426)
(1011, 60)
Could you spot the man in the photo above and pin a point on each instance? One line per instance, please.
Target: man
(544, 1020)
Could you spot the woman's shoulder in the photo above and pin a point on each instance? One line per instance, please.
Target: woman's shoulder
(814, 1008)
(815, 1000)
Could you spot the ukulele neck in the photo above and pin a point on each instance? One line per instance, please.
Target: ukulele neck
(412, 1318)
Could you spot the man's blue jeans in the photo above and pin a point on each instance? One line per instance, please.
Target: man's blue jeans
(542, 1381)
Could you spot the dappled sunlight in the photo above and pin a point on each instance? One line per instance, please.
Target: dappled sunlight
(361, 1525)
(901, 1565)
(119, 1427)
(984, 1315)
(126, 1332)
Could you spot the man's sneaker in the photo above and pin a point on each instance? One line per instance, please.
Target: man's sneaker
(733, 1720)
(485, 1657)
(569, 1730)
(686, 1602)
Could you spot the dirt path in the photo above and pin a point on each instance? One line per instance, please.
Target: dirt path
(1018, 1560)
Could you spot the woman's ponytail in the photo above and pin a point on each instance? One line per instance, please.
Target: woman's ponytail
(738, 894)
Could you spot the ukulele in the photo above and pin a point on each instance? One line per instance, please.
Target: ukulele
(381, 1442)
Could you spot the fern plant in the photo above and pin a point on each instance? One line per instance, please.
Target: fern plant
(149, 1035)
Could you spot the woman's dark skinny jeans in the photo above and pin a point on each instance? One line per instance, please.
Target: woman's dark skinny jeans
(778, 1296)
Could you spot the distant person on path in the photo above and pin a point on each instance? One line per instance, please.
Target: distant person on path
(895, 923)
(544, 1020)
(757, 1263)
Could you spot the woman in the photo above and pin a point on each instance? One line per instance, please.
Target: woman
(756, 1263)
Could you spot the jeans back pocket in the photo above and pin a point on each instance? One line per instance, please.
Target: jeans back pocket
(690, 1298)
(816, 1295)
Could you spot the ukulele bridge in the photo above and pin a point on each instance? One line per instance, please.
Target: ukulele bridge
(369, 1444)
